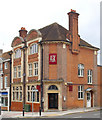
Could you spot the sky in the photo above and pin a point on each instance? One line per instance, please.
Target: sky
(36, 14)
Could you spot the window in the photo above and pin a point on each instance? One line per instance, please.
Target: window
(18, 53)
(30, 69)
(36, 69)
(53, 87)
(5, 81)
(6, 65)
(1, 82)
(31, 94)
(4, 101)
(34, 49)
(89, 73)
(1, 67)
(17, 93)
(15, 72)
(80, 92)
(80, 70)
(19, 71)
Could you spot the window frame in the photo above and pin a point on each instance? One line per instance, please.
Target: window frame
(1, 82)
(19, 71)
(35, 69)
(81, 92)
(18, 53)
(29, 95)
(6, 82)
(6, 65)
(89, 76)
(17, 94)
(33, 48)
(15, 72)
(30, 70)
(80, 70)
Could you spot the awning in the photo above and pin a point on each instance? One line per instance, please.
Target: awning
(89, 89)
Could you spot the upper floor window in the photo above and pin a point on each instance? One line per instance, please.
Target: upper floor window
(1, 82)
(15, 72)
(36, 69)
(18, 53)
(89, 75)
(80, 70)
(30, 69)
(19, 71)
(1, 67)
(6, 65)
(80, 92)
(5, 81)
(34, 49)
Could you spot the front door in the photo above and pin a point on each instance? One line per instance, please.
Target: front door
(88, 99)
(53, 100)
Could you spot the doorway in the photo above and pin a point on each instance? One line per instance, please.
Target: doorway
(53, 100)
(89, 99)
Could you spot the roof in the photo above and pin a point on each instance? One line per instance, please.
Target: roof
(56, 32)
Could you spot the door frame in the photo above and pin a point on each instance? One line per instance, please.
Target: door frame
(90, 99)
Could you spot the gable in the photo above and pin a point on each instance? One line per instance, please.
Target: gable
(17, 41)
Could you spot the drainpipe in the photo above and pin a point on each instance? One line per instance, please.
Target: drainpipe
(41, 76)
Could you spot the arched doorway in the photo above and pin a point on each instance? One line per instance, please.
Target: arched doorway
(53, 98)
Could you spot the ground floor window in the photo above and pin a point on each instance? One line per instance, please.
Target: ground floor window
(4, 101)
(32, 95)
(17, 93)
(80, 92)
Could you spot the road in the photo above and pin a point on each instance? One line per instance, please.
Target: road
(92, 114)
(95, 115)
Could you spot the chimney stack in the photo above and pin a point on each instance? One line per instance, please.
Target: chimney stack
(23, 32)
(73, 30)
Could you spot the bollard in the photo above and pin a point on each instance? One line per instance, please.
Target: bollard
(40, 111)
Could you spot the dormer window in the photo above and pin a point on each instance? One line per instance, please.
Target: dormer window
(34, 49)
(18, 53)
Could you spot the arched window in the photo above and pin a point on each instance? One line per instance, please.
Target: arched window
(34, 49)
(53, 87)
(80, 70)
(18, 53)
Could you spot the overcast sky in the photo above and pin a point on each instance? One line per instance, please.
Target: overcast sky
(35, 14)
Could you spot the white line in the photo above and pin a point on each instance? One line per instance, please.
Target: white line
(77, 117)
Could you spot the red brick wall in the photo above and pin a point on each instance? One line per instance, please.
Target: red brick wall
(16, 106)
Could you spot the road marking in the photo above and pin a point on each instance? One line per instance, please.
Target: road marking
(97, 114)
(77, 117)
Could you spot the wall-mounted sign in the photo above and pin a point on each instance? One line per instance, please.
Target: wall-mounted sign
(70, 88)
(53, 58)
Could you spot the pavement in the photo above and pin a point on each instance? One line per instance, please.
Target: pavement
(16, 114)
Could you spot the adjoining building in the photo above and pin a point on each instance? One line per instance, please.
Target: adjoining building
(67, 63)
(5, 77)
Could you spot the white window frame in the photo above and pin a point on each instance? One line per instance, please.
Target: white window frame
(35, 68)
(80, 70)
(6, 65)
(34, 48)
(18, 53)
(6, 82)
(19, 71)
(36, 95)
(16, 91)
(89, 76)
(30, 68)
(80, 91)
(15, 72)
(1, 82)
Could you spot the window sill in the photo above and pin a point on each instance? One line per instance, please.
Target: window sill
(89, 83)
(80, 99)
(33, 102)
(80, 76)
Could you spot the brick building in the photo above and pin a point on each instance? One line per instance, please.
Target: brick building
(5, 78)
(66, 64)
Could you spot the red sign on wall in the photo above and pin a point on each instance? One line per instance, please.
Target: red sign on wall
(53, 58)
